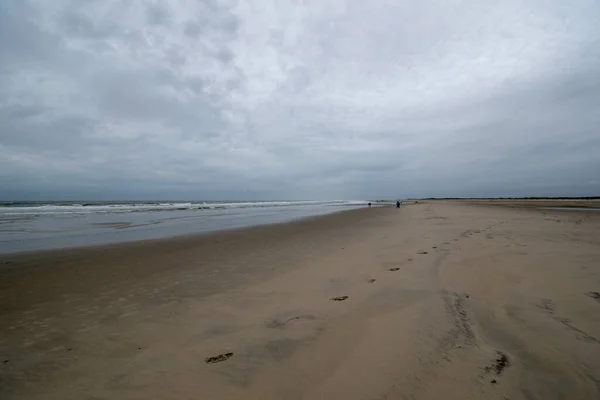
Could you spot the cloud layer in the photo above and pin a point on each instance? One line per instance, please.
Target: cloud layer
(299, 100)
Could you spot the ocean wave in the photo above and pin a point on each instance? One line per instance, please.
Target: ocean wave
(74, 208)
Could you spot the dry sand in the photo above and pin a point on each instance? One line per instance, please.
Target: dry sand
(445, 300)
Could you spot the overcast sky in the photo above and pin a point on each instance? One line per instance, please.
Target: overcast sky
(324, 99)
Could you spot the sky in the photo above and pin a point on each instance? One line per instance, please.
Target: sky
(276, 99)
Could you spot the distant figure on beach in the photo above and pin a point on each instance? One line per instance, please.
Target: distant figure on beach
(397, 203)
(369, 204)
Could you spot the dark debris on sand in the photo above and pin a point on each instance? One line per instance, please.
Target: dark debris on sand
(594, 295)
(219, 358)
(339, 298)
(499, 365)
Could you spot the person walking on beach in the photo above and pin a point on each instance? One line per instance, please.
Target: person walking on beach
(397, 203)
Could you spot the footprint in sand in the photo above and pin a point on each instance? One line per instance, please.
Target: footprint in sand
(219, 358)
(499, 364)
(275, 323)
(339, 298)
(594, 295)
(422, 252)
(394, 269)
(371, 280)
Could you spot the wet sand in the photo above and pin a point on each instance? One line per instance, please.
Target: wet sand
(437, 300)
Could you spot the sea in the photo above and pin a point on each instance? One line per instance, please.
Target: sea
(30, 226)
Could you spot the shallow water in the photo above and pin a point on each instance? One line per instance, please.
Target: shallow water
(21, 232)
(571, 208)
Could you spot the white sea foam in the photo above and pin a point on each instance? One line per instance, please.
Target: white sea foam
(110, 208)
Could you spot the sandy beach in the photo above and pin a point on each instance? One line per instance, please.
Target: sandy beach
(437, 300)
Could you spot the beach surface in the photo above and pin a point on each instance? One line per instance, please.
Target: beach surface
(437, 300)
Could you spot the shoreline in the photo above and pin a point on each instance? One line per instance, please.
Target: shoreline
(156, 251)
(432, 300)
(194, 228)
(558, 206)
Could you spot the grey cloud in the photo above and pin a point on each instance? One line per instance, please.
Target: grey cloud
(21, 111)
(211, 15)
(192, 28)
(126, 95)
(281, 100)
(157, 14)
(21, 40)
(77, 24)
